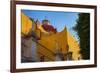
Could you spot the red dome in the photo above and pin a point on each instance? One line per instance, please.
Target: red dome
(49, 28)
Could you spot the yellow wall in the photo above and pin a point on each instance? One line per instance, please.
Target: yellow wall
(73, 46)
(63, 38)
(26, 23)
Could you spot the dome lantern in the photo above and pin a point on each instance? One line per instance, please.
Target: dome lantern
(46, 22)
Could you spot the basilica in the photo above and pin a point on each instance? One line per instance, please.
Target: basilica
(41, 42)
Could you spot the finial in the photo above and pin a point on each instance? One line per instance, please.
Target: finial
(45, 17)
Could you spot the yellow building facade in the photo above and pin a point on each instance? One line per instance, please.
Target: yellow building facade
(51, 46)
(59, 41)
(26, 23)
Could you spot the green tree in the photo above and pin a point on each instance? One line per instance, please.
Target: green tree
(83, 30)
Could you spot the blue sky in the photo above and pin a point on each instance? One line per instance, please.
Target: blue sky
(57, 19)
